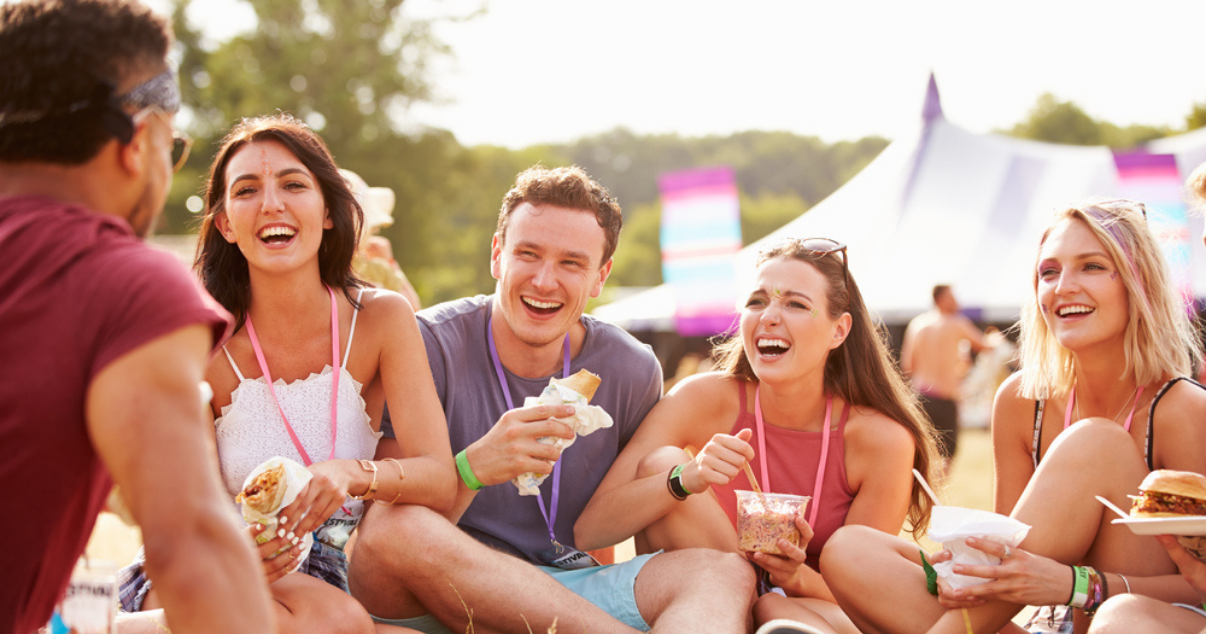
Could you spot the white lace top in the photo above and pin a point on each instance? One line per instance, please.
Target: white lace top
(251, 431)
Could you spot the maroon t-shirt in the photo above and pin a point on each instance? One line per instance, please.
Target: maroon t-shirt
(77, 291)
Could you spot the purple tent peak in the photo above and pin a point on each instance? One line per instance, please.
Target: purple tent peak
(933, 103)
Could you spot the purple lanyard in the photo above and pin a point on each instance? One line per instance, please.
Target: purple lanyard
(549, 519)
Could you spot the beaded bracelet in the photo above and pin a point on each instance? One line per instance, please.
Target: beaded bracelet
(1100, 592)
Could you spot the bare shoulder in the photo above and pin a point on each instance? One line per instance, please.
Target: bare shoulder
(1184, 402)
(872, 431)
(1009, 401)
(707, 391)
(706, 401)
(379, 304)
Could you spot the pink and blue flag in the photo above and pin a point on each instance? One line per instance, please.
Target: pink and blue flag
(1154, 180)
(700, 238)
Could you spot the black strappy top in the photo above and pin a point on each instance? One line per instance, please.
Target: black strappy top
(1151, 415)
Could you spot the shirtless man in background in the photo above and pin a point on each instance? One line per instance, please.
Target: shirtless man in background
(934, 357)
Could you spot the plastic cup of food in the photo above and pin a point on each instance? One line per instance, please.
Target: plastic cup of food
(765, 518)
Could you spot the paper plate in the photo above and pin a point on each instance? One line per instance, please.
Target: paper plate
(1194, 525)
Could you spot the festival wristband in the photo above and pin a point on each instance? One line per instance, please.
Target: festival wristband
(675, 483)
(931, 575)
(462, 466)
(1080, 587)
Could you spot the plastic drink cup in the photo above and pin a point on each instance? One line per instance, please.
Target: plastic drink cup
(765, 518)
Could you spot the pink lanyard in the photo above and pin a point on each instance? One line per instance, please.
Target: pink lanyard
(259, 356)
(1129, 417)
(815, 502)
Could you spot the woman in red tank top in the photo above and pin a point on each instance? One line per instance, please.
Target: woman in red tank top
(808, 396)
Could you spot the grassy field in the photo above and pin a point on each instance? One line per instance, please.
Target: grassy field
(969, 485)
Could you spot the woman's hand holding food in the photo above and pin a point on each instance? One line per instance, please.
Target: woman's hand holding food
(788, 571)
(719, 461)
(278, 555)
(1022, 578)
(332, 482)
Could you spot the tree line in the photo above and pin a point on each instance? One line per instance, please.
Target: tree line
(351, 70)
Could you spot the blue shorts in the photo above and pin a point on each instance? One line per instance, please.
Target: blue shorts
(612, 588)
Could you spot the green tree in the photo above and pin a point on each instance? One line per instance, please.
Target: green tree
(1196, 117)
(1057, 121)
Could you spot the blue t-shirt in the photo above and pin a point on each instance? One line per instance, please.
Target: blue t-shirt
(457, 350)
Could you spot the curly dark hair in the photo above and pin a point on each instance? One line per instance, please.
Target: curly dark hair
(569, 187)
(64, 61)
(223, 267)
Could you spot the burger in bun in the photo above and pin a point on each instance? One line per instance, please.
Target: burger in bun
(1167, 493)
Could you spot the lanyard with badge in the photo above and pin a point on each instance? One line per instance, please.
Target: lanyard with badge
(558, 555)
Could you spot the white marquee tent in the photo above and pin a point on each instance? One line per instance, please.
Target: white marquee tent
(942, 205)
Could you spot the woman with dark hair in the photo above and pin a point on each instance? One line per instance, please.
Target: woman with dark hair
(810, 383)
(1106, 341)
(306, 374)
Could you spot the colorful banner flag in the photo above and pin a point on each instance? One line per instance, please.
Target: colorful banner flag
(1154, 180)
(700, 238)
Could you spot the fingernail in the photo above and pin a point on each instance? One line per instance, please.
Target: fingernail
(295, 540)
(291, 535)
(280, 532)
(284, 520)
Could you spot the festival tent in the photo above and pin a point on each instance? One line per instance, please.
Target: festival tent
(943, 205)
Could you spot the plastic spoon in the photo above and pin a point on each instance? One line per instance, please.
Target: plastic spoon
(926, 486)
(1123, 514)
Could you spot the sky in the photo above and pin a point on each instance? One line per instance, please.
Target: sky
(534, 71)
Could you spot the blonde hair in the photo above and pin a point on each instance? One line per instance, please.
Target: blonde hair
(861, 370)
(1196, 184)
(1159, 338)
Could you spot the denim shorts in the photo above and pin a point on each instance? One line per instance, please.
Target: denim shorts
(612, 588)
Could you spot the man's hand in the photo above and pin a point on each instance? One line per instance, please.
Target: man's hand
(510, 448)
(1192, 569)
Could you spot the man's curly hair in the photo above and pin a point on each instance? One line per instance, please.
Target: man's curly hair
(64, 61)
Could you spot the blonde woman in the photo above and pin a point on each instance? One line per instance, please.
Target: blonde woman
(1105, 340)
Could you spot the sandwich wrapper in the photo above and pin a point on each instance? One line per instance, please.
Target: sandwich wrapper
(952, 525)
(585, 421)
(296, 477)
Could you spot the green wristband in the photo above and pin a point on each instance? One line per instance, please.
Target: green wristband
(931, 575)
(462, 467)
(1080, 587)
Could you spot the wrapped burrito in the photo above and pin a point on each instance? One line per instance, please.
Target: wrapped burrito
(576, 390)
(270, 487)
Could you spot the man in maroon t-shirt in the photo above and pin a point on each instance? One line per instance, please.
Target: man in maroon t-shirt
(103, 341)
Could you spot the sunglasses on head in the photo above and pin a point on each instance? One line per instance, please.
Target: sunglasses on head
(823, 246)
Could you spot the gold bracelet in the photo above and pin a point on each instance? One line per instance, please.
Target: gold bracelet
(368, 465)
(401, 477)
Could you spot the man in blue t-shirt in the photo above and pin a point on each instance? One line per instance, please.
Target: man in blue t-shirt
(512, 564)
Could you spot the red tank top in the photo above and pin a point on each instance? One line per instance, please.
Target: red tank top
(792, 458)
